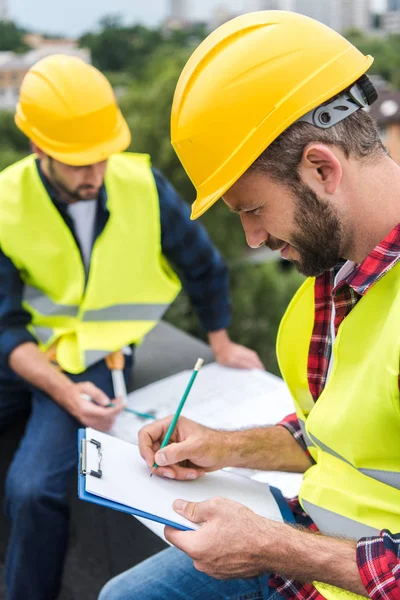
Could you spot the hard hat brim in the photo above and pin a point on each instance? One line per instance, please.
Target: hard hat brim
(117, 142)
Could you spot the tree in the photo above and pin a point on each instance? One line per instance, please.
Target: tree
(11, 37)
(119, 48)
(147, 107)
(386, 53)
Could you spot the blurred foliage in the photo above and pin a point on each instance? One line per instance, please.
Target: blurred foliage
(11, 37)
(147, 106)
(13, 144)
(117, 47)
(260, 294)
(386, 53)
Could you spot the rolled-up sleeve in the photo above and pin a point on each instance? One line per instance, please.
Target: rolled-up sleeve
(291, 423)
(198, 263)
(378, 561)
(13, 317)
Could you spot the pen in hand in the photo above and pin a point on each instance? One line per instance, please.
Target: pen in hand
(141, 415)
(174, 421)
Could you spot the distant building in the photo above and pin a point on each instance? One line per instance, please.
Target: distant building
(222, 14)
(390, 20)
(14, 66)
(386, 111)
(341, 15)
(3, 10)
(177, 9)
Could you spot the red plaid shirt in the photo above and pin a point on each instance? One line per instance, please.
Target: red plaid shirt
(378, 558)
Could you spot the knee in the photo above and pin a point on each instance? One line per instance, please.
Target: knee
(111, 591)
(27, 492)
(122, 587)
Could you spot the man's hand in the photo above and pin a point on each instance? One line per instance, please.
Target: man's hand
(97, 414)
(231, 541)
(235, 542)
(193, 451)
(233, 355)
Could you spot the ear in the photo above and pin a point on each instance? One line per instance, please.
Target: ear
(320, 168)
(38, 151)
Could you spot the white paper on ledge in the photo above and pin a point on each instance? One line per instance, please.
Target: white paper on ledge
(220, 397)
(223, 398)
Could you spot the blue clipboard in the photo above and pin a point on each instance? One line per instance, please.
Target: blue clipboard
(88, 497)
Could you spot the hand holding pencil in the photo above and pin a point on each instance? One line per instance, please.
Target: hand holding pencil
(190, 451)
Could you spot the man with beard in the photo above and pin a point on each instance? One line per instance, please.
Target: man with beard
(268, 114)
(87, 236)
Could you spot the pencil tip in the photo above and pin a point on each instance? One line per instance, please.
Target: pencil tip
(151, 474)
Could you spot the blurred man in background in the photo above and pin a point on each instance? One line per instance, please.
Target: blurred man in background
(87, 236)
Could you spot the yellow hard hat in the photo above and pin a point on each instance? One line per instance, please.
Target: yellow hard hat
(245, 84)
(68, 108)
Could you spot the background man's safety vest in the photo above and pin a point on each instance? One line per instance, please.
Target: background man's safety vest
(352, 431)
(130, 284)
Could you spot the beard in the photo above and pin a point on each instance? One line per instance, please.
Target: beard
(319, 237)
(319, 240)
(77, 194)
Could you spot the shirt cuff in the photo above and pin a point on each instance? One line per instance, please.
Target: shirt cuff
(12, 337)
(292, 424)
(378, 560)
(212, 323)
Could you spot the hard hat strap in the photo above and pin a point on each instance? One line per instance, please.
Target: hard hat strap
(342, 106)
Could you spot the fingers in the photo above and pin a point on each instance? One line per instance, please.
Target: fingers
(97, 413)
(179, 473)
(94, 392)
(197, 512)
(244, 358)
(150, 438)
(256, 362)
(250, 360)
(180, 539)
(174, 453)
(168, 458)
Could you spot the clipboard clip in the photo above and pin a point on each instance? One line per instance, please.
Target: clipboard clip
(83, 458)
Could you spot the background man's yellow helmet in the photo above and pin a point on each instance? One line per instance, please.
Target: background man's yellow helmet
(69, 110)
(246, 83)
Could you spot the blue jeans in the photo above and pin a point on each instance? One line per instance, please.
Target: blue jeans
(170, 575)
(37, 484)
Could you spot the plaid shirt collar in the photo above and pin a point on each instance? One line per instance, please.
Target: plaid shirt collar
(379, 262)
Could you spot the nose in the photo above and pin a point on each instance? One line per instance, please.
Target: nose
(95, 173)
(256, 235)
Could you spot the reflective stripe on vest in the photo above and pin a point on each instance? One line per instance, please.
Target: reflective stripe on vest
(391, 478)
(43, 334)
(91, 357)
(45, 306)
(308, 441)
(127, 312)
(41, 303)
(331, 523)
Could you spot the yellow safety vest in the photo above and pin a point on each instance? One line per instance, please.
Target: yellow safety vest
(130, 283)
(353, 429)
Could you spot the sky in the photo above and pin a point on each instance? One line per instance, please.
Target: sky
(73, 17)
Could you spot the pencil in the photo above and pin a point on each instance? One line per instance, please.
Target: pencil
(174, 421)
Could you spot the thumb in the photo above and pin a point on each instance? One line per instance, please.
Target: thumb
(173, 453)
(197, 512)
